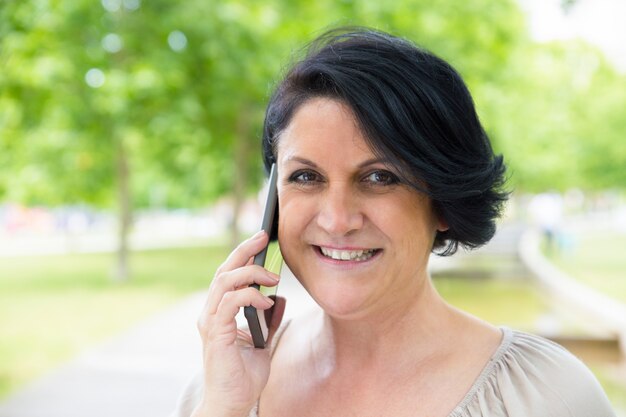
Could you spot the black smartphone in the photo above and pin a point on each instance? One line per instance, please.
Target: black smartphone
(271, 259)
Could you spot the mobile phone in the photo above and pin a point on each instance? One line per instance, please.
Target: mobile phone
(271, 259)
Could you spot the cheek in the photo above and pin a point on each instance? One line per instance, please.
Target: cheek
(292, 223)
(413, 221)
(294, 214)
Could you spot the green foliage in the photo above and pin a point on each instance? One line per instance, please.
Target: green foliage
(601, 128)
(182, 87)
(557, 123)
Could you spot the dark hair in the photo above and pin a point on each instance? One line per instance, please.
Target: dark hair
(414, 109)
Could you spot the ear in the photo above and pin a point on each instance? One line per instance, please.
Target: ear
(442, 224)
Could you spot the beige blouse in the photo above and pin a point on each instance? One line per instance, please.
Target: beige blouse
(527, 376)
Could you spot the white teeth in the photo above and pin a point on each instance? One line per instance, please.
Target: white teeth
(346, 255)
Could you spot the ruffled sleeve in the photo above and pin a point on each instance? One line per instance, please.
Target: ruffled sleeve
(531, 376)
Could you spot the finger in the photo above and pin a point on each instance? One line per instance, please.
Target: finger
(233, 300)
(236, 280)
(277, 317)
(222, 326)
(245, 276)
(247, 249)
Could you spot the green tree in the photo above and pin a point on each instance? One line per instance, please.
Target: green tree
(555, 116)
(160, 104)
(81, 80)
(600, 126)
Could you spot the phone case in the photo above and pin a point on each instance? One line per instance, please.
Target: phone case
(258, 321)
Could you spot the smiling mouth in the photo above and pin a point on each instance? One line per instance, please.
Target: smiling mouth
(359, 255)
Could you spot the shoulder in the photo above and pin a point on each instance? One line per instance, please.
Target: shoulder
(530, 375)
(551, 369)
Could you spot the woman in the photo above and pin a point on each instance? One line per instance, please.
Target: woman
(381, 160)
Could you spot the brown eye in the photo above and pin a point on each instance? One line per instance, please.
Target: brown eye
(304, 177)
(381, 178)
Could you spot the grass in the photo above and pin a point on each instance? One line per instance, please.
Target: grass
(597, 261)
(614, 387)
(53, 307)
(513, 303)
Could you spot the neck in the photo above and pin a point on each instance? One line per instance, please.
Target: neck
(408, 332)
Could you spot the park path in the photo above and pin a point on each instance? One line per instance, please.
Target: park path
(139, 373)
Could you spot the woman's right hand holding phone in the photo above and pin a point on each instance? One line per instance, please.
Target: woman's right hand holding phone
(235, 372)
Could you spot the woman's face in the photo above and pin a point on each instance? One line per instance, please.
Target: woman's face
(356, 238)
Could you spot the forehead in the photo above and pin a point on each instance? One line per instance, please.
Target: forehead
(325, 128)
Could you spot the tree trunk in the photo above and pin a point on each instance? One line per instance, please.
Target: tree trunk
(122, 270)
(241, 148)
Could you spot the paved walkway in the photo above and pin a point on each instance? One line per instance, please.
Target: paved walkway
(137, 374)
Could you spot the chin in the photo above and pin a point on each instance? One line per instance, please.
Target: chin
(340, 300)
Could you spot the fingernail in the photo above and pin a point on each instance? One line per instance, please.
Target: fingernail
(269, 301)
(274, 276)
(258, 234)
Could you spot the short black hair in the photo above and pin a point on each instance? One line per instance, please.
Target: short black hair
(414, 109)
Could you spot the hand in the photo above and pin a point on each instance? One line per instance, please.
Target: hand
(235, 372)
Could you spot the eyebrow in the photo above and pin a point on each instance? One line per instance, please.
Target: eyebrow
(302, 161)
(363, 164)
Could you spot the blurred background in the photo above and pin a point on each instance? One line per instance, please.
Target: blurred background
(130, 165)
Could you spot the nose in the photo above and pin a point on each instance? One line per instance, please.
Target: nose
(339, 212)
